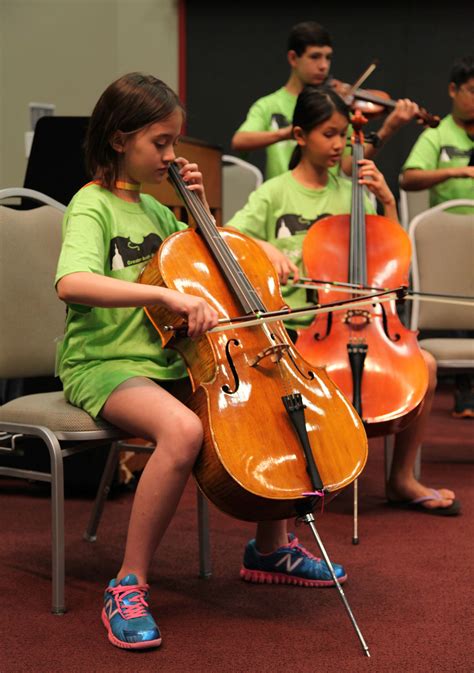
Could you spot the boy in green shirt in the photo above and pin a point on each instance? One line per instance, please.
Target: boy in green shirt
(268, 122)
(442, 159)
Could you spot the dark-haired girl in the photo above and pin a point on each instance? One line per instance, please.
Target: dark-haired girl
(278, 215)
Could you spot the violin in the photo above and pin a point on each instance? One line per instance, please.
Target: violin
(372, 103)
(373, 358)
(278, 433)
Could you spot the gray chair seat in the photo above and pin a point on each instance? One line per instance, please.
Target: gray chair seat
(51, 410)
(458, 351)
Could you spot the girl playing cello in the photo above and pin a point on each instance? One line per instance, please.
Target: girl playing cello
(110, 362)
(278, 215)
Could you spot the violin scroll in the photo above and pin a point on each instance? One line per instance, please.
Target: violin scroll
(428, 119)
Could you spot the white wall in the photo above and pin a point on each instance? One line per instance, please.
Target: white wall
(67, 51)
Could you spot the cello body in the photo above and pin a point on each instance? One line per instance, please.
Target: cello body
(369, 353)
(394, 377)
(251, 465)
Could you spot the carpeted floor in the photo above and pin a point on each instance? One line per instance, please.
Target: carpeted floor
(410, 584)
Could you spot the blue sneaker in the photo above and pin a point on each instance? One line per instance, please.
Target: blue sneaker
(126, 615)
(291, 564)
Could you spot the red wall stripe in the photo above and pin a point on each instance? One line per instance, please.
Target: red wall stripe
(182, 51)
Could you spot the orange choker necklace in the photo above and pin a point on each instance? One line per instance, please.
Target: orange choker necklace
(129, 186)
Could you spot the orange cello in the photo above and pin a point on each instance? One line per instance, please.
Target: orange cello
(369, 354)
(262, 406)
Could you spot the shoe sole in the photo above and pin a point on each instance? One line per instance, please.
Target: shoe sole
(127, 646)
(467, 413)
(262, 577)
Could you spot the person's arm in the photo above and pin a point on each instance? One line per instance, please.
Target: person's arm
(93, 289)
(414, 179)
(373, 179)
(256, 132)
(89, 287)
(282, 264)
(245, 141)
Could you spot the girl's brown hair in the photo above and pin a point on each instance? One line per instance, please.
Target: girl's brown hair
(129, 104)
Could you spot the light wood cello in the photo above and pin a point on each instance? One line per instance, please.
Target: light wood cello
(278, 434)
(251, 385)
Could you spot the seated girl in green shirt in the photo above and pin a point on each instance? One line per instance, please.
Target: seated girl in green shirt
(111, 361)
(278, 215)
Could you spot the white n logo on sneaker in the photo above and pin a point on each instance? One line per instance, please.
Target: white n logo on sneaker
(289, 565)
(109, 609)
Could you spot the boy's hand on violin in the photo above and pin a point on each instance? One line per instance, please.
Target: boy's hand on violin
(192, 176)
(283, 266)
(404, 111)
(373, 179)
(200, 316)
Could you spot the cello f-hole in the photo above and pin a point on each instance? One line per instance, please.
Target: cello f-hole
(317, 336)
(225, 387)
(309, 376)
(396, 336)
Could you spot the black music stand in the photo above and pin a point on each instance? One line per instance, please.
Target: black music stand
(56, 163)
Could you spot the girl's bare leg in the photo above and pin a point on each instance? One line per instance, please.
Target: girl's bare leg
(270, 535)
(144, 409)
(402, 484)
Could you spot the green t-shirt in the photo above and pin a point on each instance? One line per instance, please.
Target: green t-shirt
(270, 113)
(104, 346)
(448, 145)
(282, 210)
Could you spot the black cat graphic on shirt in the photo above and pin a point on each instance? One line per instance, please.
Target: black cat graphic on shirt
(123, 252)
(291, 224)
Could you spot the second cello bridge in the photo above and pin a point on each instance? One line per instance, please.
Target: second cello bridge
(275, 353)
(357, 319)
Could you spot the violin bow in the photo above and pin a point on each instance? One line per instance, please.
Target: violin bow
(411, 295)
(357, 84)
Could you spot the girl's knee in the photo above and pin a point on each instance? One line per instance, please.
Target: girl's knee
(191, 431)
(185, 439)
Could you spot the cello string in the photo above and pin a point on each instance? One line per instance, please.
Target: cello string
(249, 299)
(208, 226)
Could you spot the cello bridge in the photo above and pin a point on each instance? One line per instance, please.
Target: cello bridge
(275, 353)
(357, 319)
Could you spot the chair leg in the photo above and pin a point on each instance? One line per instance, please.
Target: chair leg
(90, 533)
(205, 567)
(57, 523)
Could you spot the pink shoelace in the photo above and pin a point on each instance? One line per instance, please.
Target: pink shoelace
(294, 544)
(137, 607)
